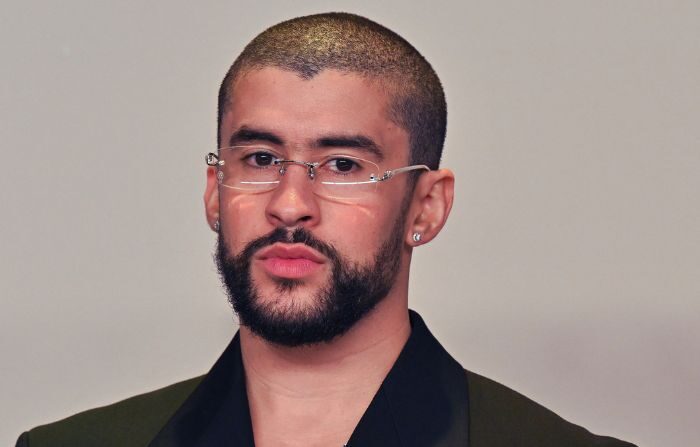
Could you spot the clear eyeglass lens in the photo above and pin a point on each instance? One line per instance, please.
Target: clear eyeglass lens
(342, 176)
(257, 169)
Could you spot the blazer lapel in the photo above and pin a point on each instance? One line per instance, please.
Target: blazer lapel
(216, 413)
(423, 401)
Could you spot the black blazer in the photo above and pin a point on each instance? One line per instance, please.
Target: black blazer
(426, 400)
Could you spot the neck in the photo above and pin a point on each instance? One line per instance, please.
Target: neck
(301, 390)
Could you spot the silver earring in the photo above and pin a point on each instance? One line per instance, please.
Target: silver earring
(416, 237)
(216, 225)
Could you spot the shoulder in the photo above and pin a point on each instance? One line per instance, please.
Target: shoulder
(133, 422)
(500, 416)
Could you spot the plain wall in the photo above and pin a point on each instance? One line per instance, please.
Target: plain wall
(568, 269)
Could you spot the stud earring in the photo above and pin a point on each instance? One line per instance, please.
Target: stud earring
(216, 225)
(416, 237)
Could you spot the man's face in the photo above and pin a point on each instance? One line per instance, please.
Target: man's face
(301, 268)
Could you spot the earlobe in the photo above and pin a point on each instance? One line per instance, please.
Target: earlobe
(433, 200)
(211, 199)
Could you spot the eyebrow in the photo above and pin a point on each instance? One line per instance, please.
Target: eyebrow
(246, 135)
(361, 142)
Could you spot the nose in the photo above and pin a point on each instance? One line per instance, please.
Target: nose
(293, 203)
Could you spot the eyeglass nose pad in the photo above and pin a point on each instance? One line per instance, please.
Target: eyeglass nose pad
(312, 172)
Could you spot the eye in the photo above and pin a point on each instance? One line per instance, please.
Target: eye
(259, 159)
(343, 165)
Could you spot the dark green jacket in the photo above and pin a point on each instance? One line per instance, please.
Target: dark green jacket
(426, 400)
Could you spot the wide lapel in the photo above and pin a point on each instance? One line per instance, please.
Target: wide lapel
(216, 413)
(424, 400)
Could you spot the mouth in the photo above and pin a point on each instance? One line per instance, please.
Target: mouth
(290, 261)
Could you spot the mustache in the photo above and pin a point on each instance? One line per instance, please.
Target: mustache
(297, 236)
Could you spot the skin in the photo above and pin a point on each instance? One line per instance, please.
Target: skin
(315, 395)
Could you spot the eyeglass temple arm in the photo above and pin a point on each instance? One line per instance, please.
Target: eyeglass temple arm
(389, 174)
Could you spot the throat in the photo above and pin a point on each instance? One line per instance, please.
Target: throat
(322, 422)
(315, 396)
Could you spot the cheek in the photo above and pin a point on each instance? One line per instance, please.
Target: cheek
(357, 231)
(238, 219)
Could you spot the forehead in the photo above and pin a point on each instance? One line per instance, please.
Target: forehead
(301, 111)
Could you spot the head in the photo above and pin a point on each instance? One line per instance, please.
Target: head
(350, 43)
(301, 267)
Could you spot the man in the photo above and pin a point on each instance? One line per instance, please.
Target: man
(326, 178)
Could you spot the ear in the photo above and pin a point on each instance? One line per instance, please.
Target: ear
(432, 202)
(211, 198)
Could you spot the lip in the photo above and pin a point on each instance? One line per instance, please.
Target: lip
(291, 251)
(291, 261)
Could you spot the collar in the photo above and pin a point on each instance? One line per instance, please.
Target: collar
(423, 401)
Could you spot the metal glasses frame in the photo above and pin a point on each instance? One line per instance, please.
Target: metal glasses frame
(213, 160)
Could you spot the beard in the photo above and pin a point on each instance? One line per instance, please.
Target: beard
(350, 293)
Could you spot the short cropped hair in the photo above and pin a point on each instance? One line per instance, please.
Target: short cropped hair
(354, 44)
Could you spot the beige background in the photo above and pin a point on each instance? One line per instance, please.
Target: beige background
(569, 268)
